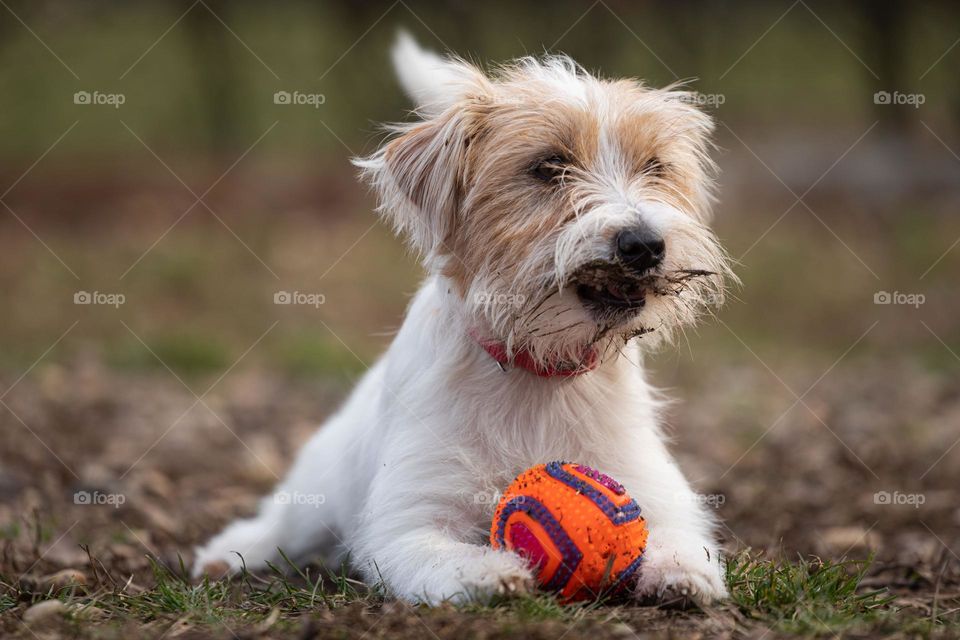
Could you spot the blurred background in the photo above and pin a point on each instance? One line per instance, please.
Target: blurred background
(168, 168)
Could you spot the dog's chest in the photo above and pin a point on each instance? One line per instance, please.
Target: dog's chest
(525, 422)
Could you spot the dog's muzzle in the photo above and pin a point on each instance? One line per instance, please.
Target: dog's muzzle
(621, 284)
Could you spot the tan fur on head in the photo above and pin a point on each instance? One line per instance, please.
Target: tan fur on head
(461, 184)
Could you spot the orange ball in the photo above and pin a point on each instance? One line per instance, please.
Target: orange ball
(580, 531)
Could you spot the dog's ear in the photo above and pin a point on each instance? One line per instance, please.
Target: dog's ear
(419, 177)
(434, 83)
(420, 174)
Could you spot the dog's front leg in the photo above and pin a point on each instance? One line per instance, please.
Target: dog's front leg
(422, 544)
(429, 566)
(682, 560)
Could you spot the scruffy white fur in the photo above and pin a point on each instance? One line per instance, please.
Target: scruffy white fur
(404, 478)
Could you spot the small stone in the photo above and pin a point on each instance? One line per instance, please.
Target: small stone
(850, 538)
(159, 519)
(44, 610)
(216, 570)
(63, 579)
(157, 484)
(88, 612)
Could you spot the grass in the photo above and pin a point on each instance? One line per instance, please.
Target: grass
(184, 353)
(809, 597)
(806, 596)
(309, 354)
(247, 601)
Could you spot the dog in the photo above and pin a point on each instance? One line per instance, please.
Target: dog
(563, 223)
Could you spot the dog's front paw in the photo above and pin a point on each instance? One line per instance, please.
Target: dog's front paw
(496, 574)
(681, 575)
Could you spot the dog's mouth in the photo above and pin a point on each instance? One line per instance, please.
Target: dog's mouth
(607, 288)
(612, 295)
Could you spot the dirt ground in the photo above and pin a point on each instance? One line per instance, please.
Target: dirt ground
(788, 478)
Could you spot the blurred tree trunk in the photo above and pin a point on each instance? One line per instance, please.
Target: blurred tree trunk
(217, 77)
(359, 15)
(602, 41)
(885, 25)
(691, 28)
(682, 20)
(9, 24)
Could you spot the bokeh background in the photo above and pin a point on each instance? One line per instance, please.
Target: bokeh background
(199, 198)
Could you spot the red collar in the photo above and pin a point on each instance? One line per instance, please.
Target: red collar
(523, 360)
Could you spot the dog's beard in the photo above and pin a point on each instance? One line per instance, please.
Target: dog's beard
(599, 308)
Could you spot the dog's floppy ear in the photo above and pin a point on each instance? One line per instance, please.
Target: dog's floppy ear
(419, 175)
(434, 83)
(419, 178)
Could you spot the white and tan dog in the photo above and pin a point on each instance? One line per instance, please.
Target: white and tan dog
(563, 222)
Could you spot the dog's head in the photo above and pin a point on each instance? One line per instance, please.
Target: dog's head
(569, 212)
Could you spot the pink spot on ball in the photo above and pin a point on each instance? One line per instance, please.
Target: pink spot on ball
(527, 545)
(602, 478)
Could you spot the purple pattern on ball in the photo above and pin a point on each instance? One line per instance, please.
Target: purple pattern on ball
(602, 478)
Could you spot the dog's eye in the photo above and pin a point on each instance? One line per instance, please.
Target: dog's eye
(654, 167)
(550, 169)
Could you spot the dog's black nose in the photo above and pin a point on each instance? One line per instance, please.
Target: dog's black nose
(640, 249)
